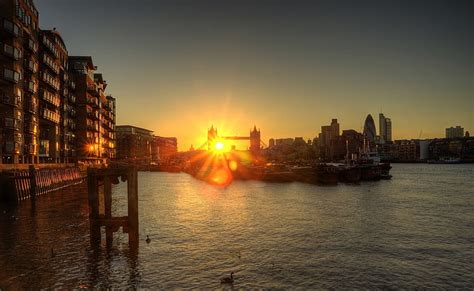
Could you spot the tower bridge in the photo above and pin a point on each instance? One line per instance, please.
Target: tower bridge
(253, 137)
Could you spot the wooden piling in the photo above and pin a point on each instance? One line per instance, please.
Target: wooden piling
(129, 224)
(93, 197)
(132, 186)
(108, 209)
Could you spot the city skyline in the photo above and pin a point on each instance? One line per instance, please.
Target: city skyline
(259, 67)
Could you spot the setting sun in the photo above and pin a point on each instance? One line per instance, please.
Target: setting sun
(219, 146)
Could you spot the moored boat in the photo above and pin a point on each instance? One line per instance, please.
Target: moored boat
(349, 173)
(326, 174)
(370, 172)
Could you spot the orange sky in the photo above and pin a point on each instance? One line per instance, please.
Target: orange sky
(177, 67)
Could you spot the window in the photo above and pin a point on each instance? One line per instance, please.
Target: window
(32, 45)
(11, 75)
(9, 146)
(16, 53)
(31, 86)
(8, 49)
(11, 51)
(8, 122)
(44, 148)
(11, 27)
(32, 65)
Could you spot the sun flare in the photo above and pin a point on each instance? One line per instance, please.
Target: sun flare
(219, 146)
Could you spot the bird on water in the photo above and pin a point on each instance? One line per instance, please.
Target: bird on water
(148, 240)
(228, 280)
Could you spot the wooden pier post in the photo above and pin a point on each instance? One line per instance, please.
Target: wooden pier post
(108, 209)
(129, 223)
(132, 183)
(93, 196)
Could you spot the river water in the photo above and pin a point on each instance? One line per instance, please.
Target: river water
(414, 231)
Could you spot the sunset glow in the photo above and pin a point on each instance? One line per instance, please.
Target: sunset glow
(219, 146)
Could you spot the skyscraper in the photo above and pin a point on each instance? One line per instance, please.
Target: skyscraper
(385, 128)
(388, 129)
(369, 128)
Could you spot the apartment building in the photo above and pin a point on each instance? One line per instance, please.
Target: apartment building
(19, 113)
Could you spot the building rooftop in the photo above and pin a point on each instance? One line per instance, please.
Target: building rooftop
(86, 59)
(132, 129)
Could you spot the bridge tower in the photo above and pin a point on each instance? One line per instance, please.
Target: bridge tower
(211, 136)
(255, 140)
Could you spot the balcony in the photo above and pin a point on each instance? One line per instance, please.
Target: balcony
(31, 45)
(31, 87)
(32, 107)
(92, 89)
(31, 65)
(51, 98)
(50, 80)
(31, 127)
(51, 115)
(72, 98)
(14, 124)
(12, 76)
(93, 128)
(93, 102)
(11, 27)
(50, 63)
(49, 44)
(12, 100)
(93, 115)
(11, 51)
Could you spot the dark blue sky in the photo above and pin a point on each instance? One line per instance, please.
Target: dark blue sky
(177, 67)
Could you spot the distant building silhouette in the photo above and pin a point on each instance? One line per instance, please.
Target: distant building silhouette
(385, 128)
(289, 149)
(271, 143)
(460, 147)
(328, 133)
(255, 140)
(163, 148)
(369, 128)
(134, 144)
(453, 132)
(350, 142)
